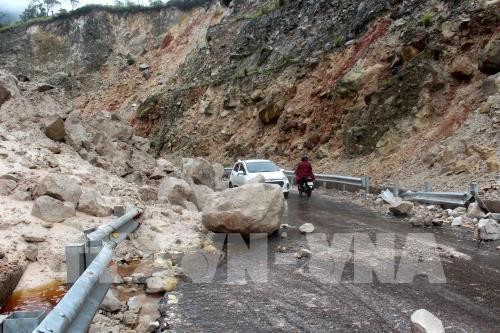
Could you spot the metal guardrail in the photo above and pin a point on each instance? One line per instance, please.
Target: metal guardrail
(427, 196)
(439, 198)
(87, 267)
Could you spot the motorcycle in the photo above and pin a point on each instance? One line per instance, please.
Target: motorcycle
(306, 186)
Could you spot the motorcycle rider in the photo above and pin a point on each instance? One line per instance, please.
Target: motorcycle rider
(304, 171)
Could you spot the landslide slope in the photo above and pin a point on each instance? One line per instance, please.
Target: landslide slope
(389, 89)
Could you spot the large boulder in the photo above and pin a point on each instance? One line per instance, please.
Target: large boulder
(199, 171)
(204, 196)
(54, 128)
(219, 174)
(76, 134)
(60, 187)
(422, 321)
(252, 208)
(52, 210)
(489, 59)
(8, 87)
(175, 191)
(92, 203)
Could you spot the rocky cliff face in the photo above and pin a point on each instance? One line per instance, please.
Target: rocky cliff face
(392, 89)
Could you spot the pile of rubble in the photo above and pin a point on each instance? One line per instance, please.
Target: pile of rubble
(485, 225)
(62, 172)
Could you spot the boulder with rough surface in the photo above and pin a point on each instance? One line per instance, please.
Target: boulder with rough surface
(111, 303)
(252, 208)
(422, 321)
(175, 191)
(8, 87)
(198, 171)
(474, 211)
(306, 228)
(92, 203)
(489, 59)
(52, 210)
(76, 134)
(487, 229)
(219, 173)
(401, 208)
(60, 187)
(7, 186)
(54, 128)
(203, 195)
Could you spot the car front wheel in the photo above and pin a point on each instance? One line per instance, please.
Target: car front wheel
(231, 185)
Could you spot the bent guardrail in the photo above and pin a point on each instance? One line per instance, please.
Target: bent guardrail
(439, 198)
(75, 311)
(87, 268)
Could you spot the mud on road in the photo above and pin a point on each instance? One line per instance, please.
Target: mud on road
(294, 301)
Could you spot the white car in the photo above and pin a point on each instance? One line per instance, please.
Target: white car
(244, 171)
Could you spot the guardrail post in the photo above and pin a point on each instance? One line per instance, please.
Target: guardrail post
(323, 184)
(396, 188)
(75, 262)
(366, 183)
(474, 188)
(343, 188)
(428, 187)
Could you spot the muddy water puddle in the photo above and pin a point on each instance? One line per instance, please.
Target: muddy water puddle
(43, 297)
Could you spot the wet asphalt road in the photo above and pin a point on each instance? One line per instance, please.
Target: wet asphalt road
(294, 301)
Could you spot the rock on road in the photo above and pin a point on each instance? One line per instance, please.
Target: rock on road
(294, 301)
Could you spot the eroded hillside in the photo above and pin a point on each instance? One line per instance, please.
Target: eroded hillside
(389, 89)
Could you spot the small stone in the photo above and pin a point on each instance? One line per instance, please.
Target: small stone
(169, 283)
(282, 249)
(111, 303)
(422, 321)
(457, 221)
(474, 211)
(130, 319)
(284, 234)
(152, 326)
(31, 238)
(437, 222)
(306, 228)
(143, 67)
(139, 278)
(154, 285)
(401, 208)
(119, 210)
(303, 253)
(134, 304)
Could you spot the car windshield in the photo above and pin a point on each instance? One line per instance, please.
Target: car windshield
(264, 166)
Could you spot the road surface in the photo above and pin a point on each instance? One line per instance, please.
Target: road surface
(294, 301)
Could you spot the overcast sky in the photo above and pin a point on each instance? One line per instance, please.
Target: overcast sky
(18, 6)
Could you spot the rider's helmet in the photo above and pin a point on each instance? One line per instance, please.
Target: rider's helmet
(304, 159)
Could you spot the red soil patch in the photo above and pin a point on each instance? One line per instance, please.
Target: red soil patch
(167, 41)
